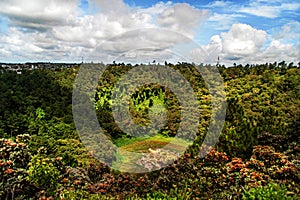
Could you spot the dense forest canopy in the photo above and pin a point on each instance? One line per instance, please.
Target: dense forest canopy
(42, 155)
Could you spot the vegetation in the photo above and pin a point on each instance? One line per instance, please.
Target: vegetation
(257, 156)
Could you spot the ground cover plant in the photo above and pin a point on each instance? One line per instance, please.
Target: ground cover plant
(257, 156)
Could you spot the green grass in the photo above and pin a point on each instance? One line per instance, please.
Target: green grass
(126, 141)
(126, 161)
(156, 142)
(123, 141)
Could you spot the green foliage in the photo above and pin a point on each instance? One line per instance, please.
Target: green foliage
(260, 138)
(30, 91)
(123, 141)
(43, 173)
(272, 191)
(256, 104)
(40, 114)
(256, 96)
(14, 158)
(147, 100)
(73, 153)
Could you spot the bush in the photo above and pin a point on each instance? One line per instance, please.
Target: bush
(14, 158)
(272, 191)
(43, 173)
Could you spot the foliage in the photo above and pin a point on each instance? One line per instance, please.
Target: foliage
(256, 104)
(123, 141)
(259, 143)
(30, 91)
(255, 94)
(272, 191)
(43, 172)
(14, 159)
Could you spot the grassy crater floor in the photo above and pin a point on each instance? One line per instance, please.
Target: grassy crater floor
(130, 150)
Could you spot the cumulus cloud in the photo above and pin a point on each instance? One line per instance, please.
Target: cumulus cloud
(240, 42)
(118, 12)
(214, 48)
(183, 18)
(111, 6)
(17, 45)
(244, 44)
(59, 30)
(148, 44)
(278, 50)
(39, 14)
(243, 40)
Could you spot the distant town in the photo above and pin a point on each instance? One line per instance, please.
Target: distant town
(28, 66)
(19, 67)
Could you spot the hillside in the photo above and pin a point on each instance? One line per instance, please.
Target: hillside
(257, 154)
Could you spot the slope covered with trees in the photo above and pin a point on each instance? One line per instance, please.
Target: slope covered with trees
(41, 155)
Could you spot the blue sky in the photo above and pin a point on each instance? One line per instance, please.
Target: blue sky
(253, 31)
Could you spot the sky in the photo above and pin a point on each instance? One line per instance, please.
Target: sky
(253, 31)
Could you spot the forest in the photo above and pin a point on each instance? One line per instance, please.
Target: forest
(257, 155)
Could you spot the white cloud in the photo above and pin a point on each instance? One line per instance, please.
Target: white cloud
(149, 44)
(218, 4)
(19, 45)
(214, 48)
(244, 44)
(88, 30)
(58, 30)
(262, 11)
(266, 9)
(243, 40)
(278, 50)
(182, 18)
(223, 21)
(111, 6)
(39, 14)
(289, 32)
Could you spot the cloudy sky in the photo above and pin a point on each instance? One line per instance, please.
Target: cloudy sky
(254, 31)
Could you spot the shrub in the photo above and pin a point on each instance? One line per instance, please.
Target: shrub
(43, 173)
(271, 191)
(14, 158)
